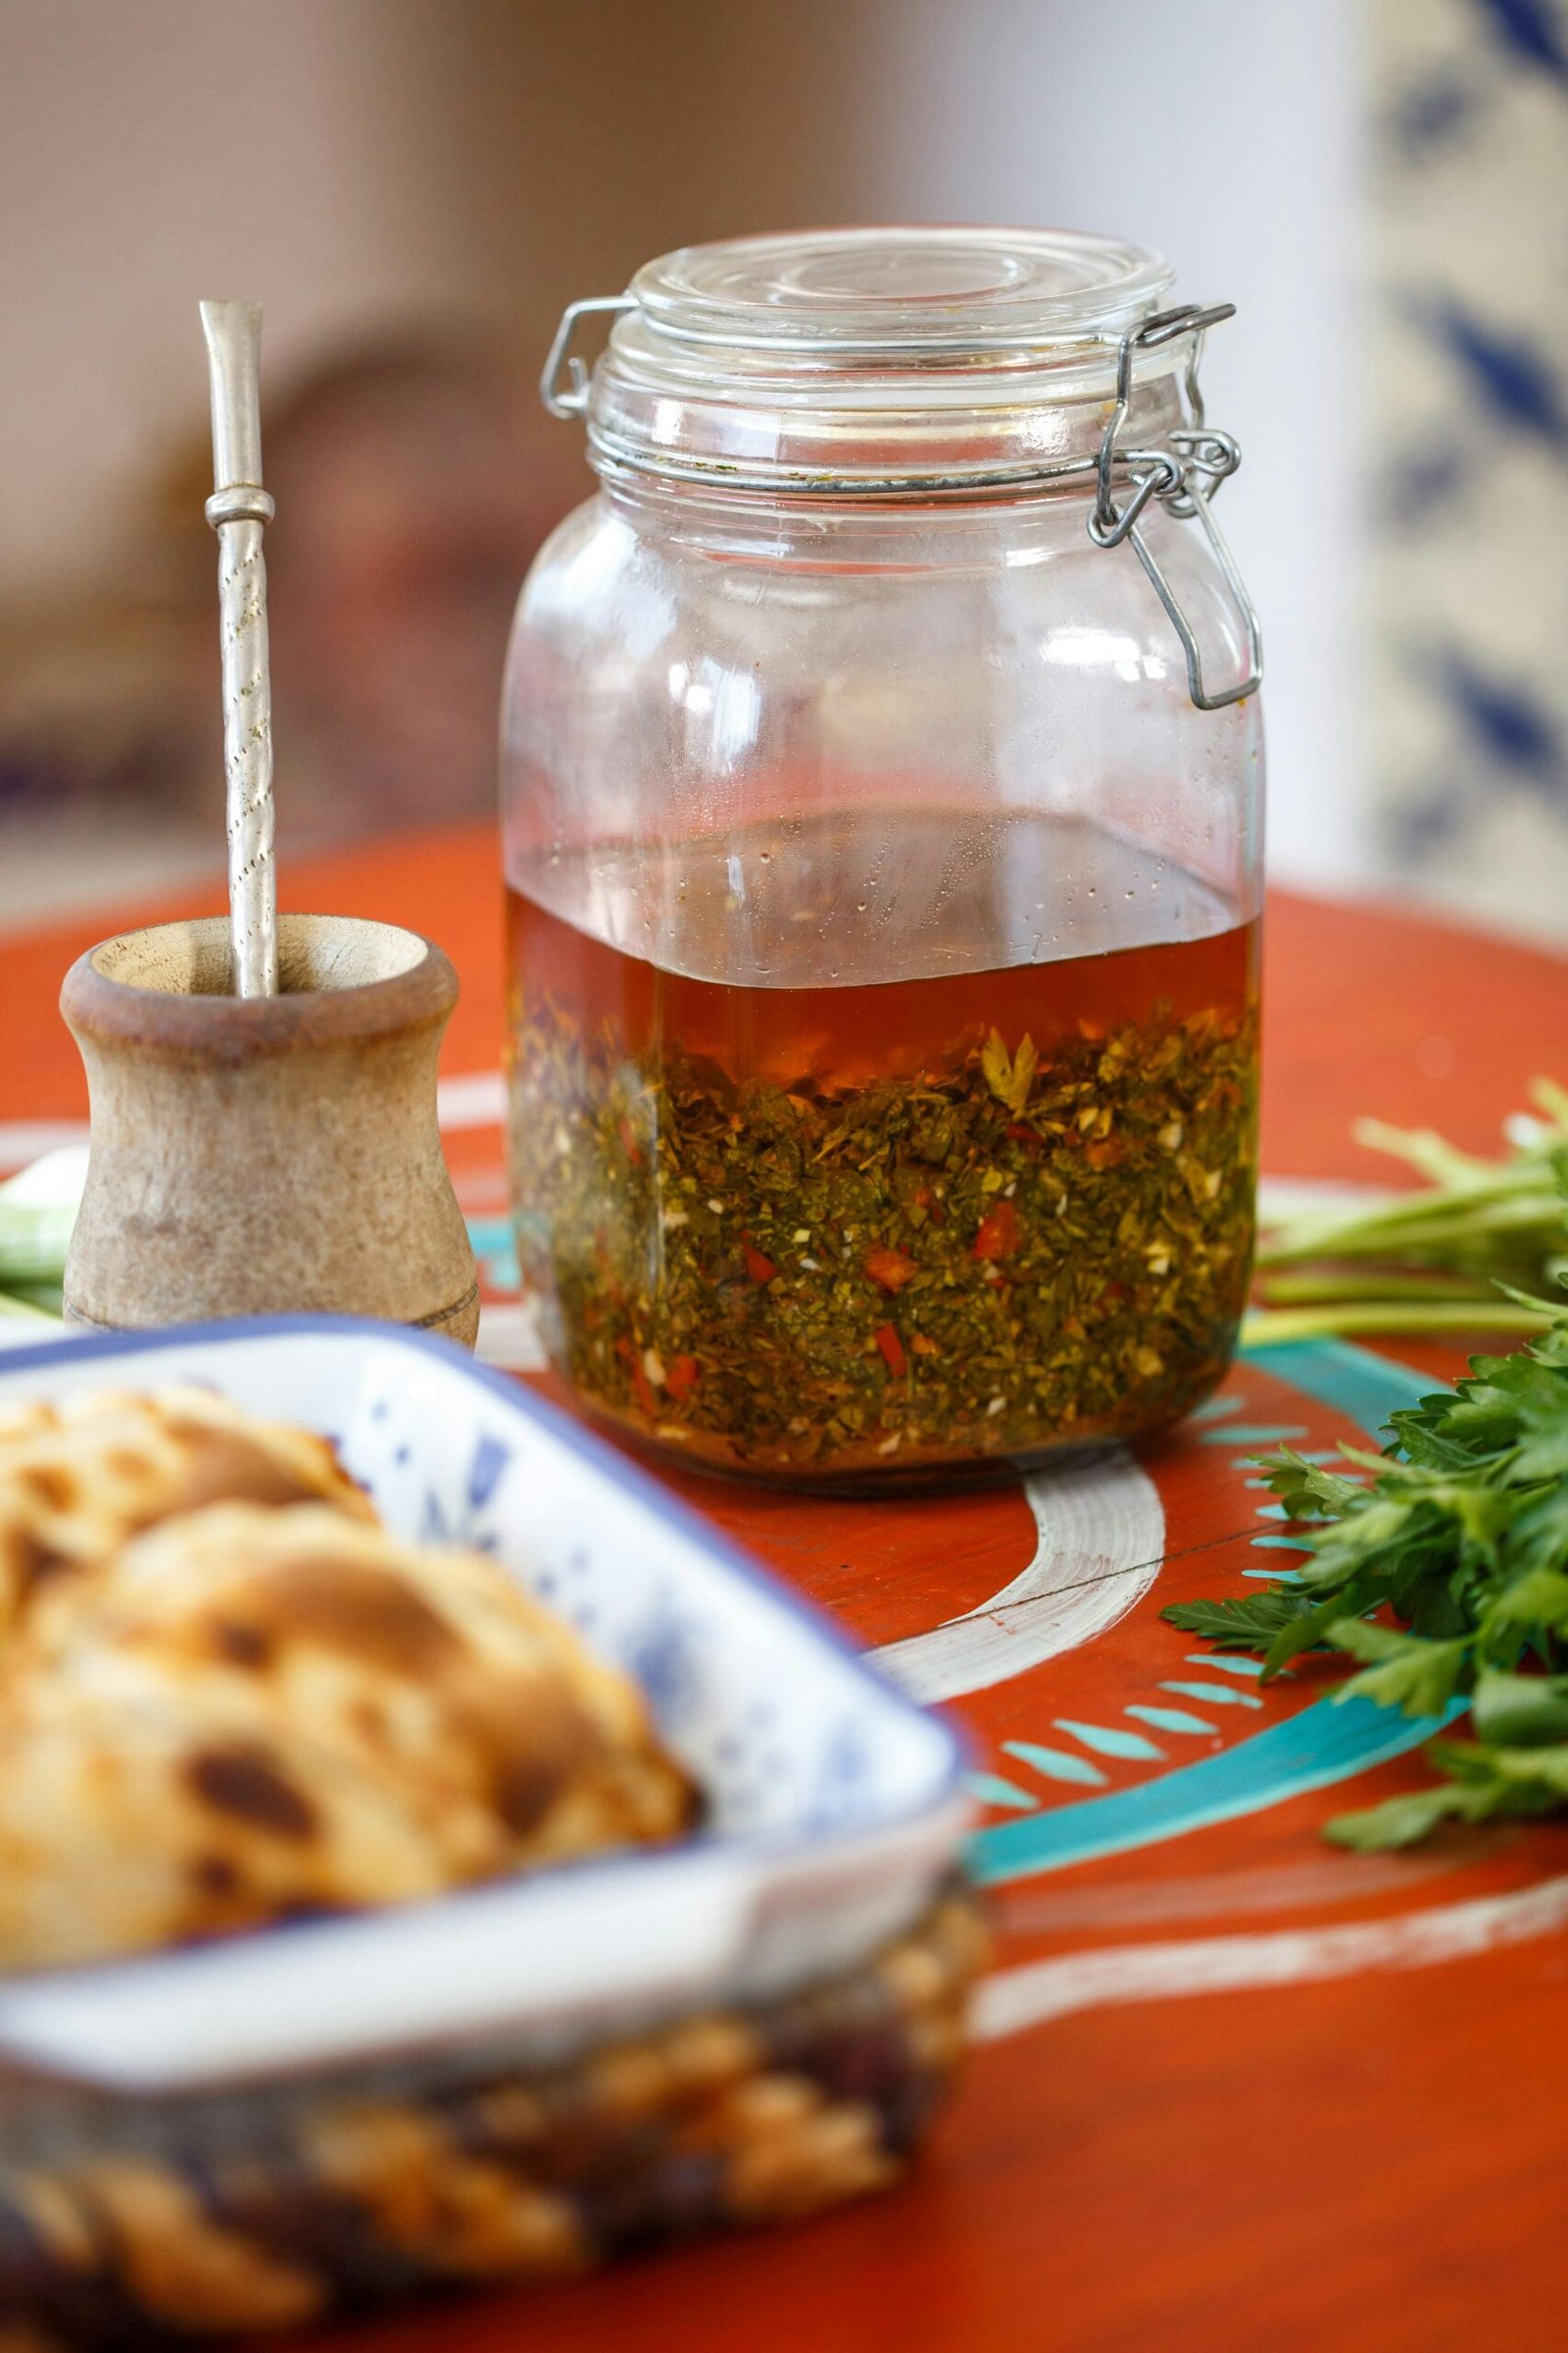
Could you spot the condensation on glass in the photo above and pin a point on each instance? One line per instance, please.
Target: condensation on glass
(882, 784)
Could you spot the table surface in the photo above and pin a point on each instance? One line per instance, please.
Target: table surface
(1233, 2089)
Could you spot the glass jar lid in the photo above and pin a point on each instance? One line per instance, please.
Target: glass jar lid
(873, 358)
(901, 293)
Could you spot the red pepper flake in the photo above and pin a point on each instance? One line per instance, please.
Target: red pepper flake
(890, 1269)
(998, 1236)
(923, 1347)
(643, 1390)
(629, 1143)
(681, 1377)
(760, 1268)
(1105, 1153)
(891, 1348)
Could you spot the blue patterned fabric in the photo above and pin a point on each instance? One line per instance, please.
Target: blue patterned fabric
(1468, 431)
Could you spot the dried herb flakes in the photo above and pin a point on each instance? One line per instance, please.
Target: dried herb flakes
(1011, 1254)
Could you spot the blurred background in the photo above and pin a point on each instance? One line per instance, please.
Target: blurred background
(414, 188)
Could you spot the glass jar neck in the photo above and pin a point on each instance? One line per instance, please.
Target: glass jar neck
(950, 435)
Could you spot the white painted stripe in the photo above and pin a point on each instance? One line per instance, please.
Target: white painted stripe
(25, 1139)
(1014, 1999)
(1101, 1541)
(479, 1099)
(509, 1337)
(52, 1184)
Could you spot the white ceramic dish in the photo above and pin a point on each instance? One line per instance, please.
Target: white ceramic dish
(835, 1805)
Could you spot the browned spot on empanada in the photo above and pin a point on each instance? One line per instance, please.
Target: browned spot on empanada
(536, 1745)
(215, 1874)
(242, 1644)
(49, 1483)
(524, 1789)
(28, 1560)
(224, 1466)
(248, 1784)
(347, 1605)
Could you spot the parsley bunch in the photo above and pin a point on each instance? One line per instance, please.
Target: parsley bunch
(1431, 1260)
(1462, 1534)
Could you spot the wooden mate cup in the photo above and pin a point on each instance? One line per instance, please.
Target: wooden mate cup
(272, 1154)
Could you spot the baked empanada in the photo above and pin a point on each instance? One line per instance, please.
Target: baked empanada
(79, 1478)
(252, 1713)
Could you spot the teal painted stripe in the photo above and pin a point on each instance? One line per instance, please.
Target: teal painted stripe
(1270, 1511)
(1324, 1744)
(1214, 1409)
(490, 1234)
(1250, 1434)
(1106, 1741)
(1278, 1543)
(1220, 1694)
(1056, 1764)
(1275, 1575)
(1366, 1388)
(991, 1789)
(1231, 1666)
(1173, 1719)
(495, 1246)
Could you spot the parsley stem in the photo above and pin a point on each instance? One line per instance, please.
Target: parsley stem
(1322, 1290)
(1262, 1326)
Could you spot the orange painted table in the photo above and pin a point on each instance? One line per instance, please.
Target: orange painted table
(1236, 2090)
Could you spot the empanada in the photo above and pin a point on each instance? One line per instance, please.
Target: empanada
(252, 1713)
(79, 1478)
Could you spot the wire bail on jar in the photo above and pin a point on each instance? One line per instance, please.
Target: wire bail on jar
(1199, 453)
(572, 400)
(1183, 478)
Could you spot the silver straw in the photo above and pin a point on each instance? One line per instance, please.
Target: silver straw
(237, 511)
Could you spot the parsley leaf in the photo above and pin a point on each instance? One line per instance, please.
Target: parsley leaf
(1403, 1670)
(1249, 1623)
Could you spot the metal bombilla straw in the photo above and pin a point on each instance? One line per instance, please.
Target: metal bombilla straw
(238, 509)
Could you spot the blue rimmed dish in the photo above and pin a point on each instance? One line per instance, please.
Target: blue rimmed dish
(834, 1805)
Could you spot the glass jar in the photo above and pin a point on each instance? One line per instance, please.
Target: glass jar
(882, 781)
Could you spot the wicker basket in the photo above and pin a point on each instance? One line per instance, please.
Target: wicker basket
(123, 2224)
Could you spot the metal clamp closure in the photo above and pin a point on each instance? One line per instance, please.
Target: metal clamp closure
(573, 402)
(1184, 478)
